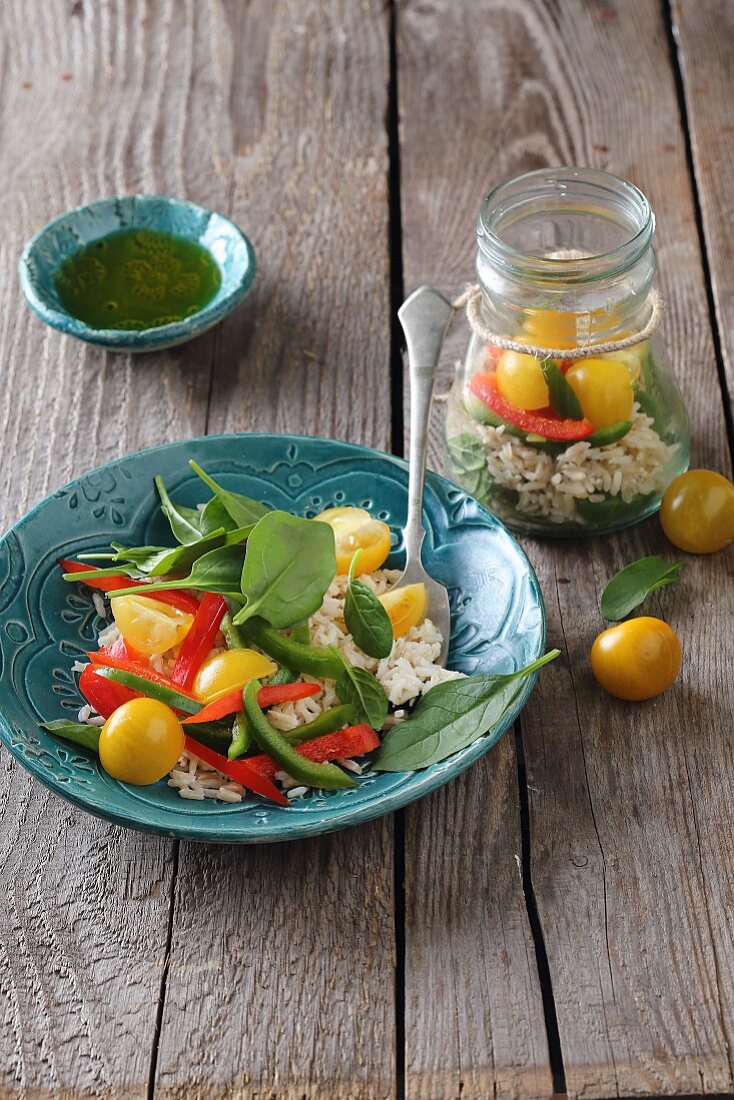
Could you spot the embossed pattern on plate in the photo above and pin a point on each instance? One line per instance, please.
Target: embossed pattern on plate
(498, 621)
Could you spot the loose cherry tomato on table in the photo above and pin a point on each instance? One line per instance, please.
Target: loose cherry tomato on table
(636, 659)
(604, 389)
(355, 529)
(520, 380)
(140, 742)
(697, 512)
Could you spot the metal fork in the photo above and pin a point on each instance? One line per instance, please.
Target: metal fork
(425, 316)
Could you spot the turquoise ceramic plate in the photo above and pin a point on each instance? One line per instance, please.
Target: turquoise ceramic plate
(47, 250)
(498, 621)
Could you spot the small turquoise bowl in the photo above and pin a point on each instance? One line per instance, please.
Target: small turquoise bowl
(60, 239)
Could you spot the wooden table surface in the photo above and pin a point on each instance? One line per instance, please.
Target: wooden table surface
(559, 919)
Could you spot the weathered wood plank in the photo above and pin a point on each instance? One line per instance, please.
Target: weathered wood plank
(95, 100)
(630, 858)
(704, 33)
(292, 993)
(473, 1013)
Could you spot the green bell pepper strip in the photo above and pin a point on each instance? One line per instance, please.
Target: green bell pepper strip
(324, 662)
(242, 736)
(602, 437)
(300, 633)
(151, 689)
(233, 635)
(215, 735)
(328, 722)
(562, 397)
(78, 732)
(327, 776)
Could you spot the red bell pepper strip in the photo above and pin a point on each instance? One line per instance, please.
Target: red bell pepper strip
(181, 600)
(104, 695)
(268, 696)
(351, 741)
(238, 770)
(138, 668)
(122, 651)
(545, 424)
(199, 640)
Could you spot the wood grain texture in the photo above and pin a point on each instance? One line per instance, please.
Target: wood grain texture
(703, 33)
(95, 99)
(631, 859)
(281, 981)
(473, 1014)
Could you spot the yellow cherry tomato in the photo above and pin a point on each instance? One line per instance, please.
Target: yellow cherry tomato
(551, 328)
(229, 671)
(149, 626)
(520, 381)
(140, 742)
(406, 607)
(636, 659)
(697, 512)
(633, 357)
(355, 529)
(604, 388)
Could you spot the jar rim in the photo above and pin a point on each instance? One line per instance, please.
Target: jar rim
(531, 190)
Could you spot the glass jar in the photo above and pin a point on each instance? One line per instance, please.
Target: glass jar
(563, 445)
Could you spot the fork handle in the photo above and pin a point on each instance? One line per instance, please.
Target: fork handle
(425, 316)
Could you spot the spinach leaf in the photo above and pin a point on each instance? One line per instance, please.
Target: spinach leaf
(634, 583)
(156, 561)
(185, 522)
(468, 461)
(218, 571)
(451, 716)
(289, 565)
(242, 510)
(562, 397)
(366, 694)
(366, 619)
(78, 732)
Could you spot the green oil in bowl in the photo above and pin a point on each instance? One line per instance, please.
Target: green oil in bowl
(137, 279)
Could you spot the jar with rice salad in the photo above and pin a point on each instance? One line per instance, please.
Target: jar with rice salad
(564, 417)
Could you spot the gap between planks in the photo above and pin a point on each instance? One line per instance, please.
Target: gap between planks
(680, 91)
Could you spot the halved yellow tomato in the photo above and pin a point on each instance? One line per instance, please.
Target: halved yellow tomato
(355, 529)
(229, 671)
(149, 626)
(405, 606)
(140, 742)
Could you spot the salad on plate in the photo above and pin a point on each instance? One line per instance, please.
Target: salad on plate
(264, 654)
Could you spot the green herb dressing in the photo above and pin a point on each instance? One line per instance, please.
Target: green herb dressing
(137, 279)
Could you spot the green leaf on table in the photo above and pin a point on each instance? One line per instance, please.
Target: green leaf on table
(562, 397)
(366, 694)
(633, 584)
(289, 565)
(451, 716)
(241, 509)
(78, 732)
(366, 619)
(217, 571)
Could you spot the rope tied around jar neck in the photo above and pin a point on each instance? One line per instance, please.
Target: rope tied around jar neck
(472, 299)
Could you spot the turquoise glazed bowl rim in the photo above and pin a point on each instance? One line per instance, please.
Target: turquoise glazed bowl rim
(118, 208)
(289, 456)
